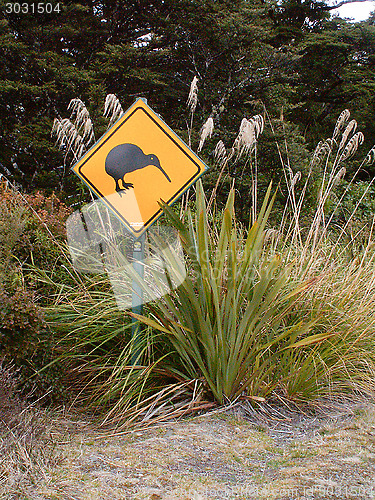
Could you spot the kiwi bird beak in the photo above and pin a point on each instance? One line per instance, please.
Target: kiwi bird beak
(166, 175)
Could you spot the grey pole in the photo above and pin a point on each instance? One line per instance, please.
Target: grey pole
(137, 296)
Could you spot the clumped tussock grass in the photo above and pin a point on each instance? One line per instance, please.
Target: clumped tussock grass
(342, 294)
(27, 448)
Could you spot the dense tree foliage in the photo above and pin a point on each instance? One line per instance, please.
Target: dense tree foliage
(288, 57)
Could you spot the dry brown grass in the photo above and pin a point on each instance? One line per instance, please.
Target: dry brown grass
(27, 441)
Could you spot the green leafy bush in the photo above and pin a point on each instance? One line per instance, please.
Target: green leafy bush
(31, 229)
(21, 322)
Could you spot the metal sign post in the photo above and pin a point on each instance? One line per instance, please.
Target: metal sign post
(137, 296)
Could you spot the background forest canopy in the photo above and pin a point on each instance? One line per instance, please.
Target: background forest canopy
(291, 60)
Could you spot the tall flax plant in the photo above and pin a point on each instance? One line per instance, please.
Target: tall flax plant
(227, 318)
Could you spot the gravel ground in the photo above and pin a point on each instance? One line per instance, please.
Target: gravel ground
(272, 452)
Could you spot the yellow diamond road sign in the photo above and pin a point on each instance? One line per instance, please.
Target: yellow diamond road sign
(137, 163)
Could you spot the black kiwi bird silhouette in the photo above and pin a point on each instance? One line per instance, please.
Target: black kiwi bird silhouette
(126, 158)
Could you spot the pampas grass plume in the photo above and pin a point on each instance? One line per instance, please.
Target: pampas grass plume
(350, 128)
(248, 134)
(206, 131)
(193, 95)
(340, 123)
(352, 146)
(370, 158)
(220, 153)
(112, 108)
